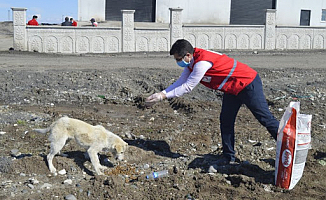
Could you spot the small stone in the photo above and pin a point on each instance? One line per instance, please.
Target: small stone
(24, 191)
(146, 166)
(128, 135)
(68, 181)
(142, 137)
(2, 132)
(62, 172)
(30, 186)
(175, 169)
(15, 152)
(212, 169)
(70, 197)
(33, 181)
(214, 148)
(267, 188)
(46, 185)
(322, 162)
(22, 174)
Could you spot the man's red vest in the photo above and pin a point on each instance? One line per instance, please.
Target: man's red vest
(226, 74)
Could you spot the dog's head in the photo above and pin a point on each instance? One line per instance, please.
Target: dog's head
(119, 149)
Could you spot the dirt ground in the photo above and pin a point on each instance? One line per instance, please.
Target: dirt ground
(179, 135)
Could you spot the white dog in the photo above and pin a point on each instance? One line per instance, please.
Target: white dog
(93, 138)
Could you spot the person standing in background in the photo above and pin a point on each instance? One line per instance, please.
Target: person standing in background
(94, 23)
(73, 22)
(66, 22)
(33, 22)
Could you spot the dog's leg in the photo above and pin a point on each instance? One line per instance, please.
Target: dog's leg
(56, 146)
(95, 161)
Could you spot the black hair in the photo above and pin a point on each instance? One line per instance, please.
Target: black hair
(181, 47)
(34, 16)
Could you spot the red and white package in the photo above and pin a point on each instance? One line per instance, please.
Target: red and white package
(293, 142)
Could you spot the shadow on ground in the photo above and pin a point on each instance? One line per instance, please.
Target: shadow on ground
(243, 168)
(159, 147)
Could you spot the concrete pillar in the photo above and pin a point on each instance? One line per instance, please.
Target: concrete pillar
(19, 23)
(270, 29)
(128, 31)
(175, 24)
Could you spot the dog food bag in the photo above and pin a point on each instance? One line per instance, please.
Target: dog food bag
(293, 142)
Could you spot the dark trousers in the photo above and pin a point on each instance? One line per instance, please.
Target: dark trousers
(253, 97)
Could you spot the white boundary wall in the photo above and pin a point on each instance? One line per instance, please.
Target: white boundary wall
(128, 38)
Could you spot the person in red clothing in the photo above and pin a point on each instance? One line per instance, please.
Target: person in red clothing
(33, 22)
(73, 22)
(240, 84)
(94, 23)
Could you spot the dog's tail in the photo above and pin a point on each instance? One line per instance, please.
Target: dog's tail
(42, 130)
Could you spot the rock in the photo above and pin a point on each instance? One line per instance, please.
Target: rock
(322, 162)
(267, 188)
(70, 197)
(142, 137)
(214, 148)
(30, 186)
(2, 132)
(129, 135)
(62, 172)
(33, 181)
(15, 152)
(24, 191)
(46, 185)
(68, 181)
(228, 182)
(146, 166)
(175, 169)
(212, 169)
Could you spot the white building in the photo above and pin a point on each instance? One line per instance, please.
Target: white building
(303, 12)
(222, 12)
(194, 11)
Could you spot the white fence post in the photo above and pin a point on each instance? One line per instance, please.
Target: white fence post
(175, 24)
(19, 23)
(270, 30)
(128, 31)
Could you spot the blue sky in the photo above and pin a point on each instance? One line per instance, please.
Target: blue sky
(48, 11)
